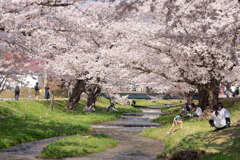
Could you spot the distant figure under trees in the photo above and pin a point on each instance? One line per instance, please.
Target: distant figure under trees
(17, 92)
(47, 94)
(36, 89)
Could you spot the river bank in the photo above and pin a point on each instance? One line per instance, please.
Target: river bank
(125, 130)
(198, 135)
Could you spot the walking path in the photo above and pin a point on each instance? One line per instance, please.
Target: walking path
(125, 130)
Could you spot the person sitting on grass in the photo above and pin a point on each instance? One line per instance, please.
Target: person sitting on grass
(217, 120)
(133, 102)
(92, 108)
(186, 108)
(86, 108)
(167, 106)
(176, 121)
(112, 107)
(198, 111)
(193, 106)
(224, 113)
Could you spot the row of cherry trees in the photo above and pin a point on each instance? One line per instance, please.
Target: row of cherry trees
(188, 41)
(96, 44)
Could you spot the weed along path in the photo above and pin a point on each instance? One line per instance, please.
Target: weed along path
(130, 145)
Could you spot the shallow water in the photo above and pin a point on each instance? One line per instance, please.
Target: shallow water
(125, 130)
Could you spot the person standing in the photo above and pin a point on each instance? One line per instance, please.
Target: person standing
(47, 94)
(237, 91)
(233, 88)
(17, 92)
(228, 90)
(223, 89)
(36, 89)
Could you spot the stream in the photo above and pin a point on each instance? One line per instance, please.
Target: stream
(130, 145)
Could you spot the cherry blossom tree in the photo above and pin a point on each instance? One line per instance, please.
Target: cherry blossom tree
(11, 68)
(192, 41)
(188, 41)
(77, 56)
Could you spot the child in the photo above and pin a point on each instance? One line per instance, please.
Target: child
(176, 121)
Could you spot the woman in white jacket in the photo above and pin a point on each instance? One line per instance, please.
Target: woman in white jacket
(217, 120)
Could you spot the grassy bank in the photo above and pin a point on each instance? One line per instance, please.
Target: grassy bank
(78, 145)
(145, 103)
(30, 120)
(224, 144)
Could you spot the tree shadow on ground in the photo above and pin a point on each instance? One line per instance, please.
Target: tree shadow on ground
(224, 141)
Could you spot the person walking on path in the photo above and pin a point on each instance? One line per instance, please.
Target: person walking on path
(36, 89)
(176, 121)
(17, 92)
(47, 94)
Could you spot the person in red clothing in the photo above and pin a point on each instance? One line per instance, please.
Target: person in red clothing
(223, 89)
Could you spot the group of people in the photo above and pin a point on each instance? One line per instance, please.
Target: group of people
(90, 108)
(36, 90)
(229, 89)
(192, 108)
(220, 117)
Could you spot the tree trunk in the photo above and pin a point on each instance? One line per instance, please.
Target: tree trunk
(93, 91)
(189, 96)
(52, 102)
(79, 88)
(203, 96)
(213, 92)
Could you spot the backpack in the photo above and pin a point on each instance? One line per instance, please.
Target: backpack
(17, 89)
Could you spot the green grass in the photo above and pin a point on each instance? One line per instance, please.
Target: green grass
(145, 103)
(78, 145)
(199, 135)
(16, 129)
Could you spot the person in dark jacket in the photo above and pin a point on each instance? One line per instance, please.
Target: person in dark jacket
(47, 94)
(36, 89)
(17, 92)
